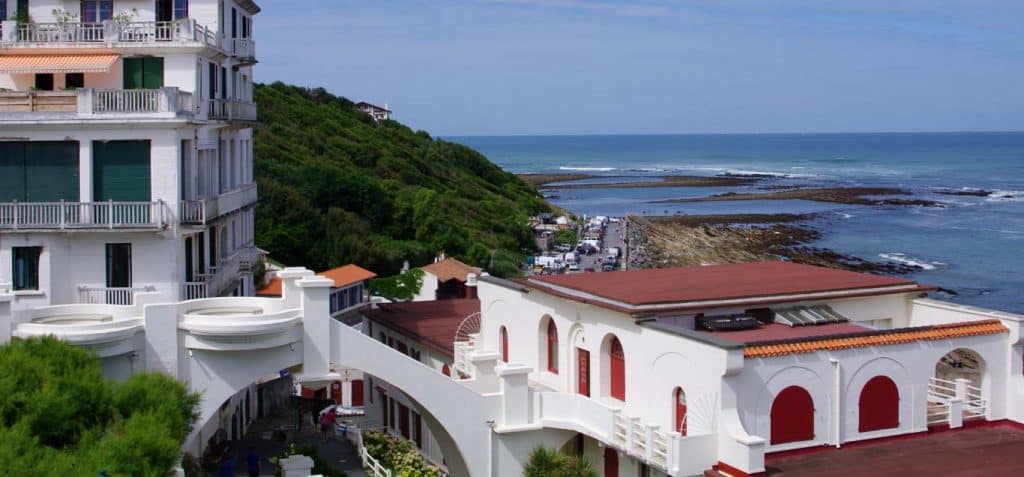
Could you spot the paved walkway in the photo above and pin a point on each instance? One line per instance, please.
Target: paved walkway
(990, 451)
(337, 452)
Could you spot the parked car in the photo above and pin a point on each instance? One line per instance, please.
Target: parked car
(573, 266)
(608, 267)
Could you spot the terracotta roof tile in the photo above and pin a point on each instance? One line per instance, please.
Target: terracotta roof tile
(432, 323)
(767, 349)
(342, 276)
(449, 269)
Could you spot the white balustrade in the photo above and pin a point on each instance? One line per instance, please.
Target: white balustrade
(199, 211)
(82, 215)
(185, 31)
(110, 295)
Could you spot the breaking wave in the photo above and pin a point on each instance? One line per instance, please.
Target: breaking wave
(908, 260)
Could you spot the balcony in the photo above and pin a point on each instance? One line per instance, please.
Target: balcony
(60, 216)
(202, 211)
(232, 110)
(110, 295)
(243, 49)
(96, 104)
(109, 33)
(224, 276)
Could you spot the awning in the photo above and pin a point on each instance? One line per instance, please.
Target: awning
(15, 64)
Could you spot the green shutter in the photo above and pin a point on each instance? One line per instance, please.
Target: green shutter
(52, 171)
(121, 171)
(153, 72)
(12, 171)
(132, 73)
(213, 80)
(223, 82)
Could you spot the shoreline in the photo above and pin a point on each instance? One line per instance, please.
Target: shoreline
(544, 181)
(836, 195)
(667, 241)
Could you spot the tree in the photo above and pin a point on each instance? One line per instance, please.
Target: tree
(546, 462)
(58, 416)
(566, 236)
(401, 287)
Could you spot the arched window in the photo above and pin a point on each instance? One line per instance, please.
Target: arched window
(503, 336)
(552, 347)
(679, 411)
(617, 370)
(879, 405)
(792, 416)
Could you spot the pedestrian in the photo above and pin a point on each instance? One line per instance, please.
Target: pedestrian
(253, 462)
(226, 468)
(327, 424)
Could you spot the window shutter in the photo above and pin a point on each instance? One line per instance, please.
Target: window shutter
(12, 171)
(52, 173)
(121, 171)
(132, 73)
(153, 72)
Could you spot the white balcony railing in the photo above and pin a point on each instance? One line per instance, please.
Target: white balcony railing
(89, 103)
(185, 31)
(83, 215)
(243, 48)
(200, 211)
(223, 276)
(110, 295)
(231, 110)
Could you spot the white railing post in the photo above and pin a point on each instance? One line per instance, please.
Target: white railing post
(956, 413)
(649, 442)
(628, 421)
(16, 215)
(110, 214)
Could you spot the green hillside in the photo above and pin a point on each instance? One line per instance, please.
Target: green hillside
(336, 188)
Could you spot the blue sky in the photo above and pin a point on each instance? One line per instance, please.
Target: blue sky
(455, 67)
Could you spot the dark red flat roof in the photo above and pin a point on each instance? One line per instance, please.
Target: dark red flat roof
(759, 280)
(779, 331)
(432, 323)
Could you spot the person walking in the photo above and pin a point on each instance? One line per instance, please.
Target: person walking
(226, 468)
(327, 424)
(253, 462)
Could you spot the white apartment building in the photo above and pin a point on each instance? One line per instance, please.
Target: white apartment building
(126, 149)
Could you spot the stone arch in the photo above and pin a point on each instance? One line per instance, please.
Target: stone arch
(576, 341)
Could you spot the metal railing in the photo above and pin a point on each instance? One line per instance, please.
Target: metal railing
(946, 398)
(243, 48)
(110, 295)
(82, 215)
(109, 31)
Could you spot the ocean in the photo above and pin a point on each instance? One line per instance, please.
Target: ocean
(974, 245)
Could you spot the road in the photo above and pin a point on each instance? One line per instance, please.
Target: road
(612, 238)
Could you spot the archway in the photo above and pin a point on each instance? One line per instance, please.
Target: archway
(614, 358)
(503, 343)
(792, 416)
(548, 345)
(879, 405)
(961, 363)
(679, 411)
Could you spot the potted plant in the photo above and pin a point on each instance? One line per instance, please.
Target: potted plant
(65, 21)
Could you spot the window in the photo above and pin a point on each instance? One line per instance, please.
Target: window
(143, 72)
(22, 11)
(679, 411)
(39, 171)
(792, 416)
(119, 265)
(552, 347)
(74, 80)
(3, 10)
(26, 267)
(234, 23)
(417, 430)
(503, 336)
(95, 11)
(44, 81)
(180, 9)
(446, 370)
(617, 368)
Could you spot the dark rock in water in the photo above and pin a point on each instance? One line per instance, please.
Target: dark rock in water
(917, 202)
(985, 292)
(947, 291)
(966, 192)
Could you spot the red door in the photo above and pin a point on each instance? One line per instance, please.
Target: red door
(611, 462)
(336, 392)
(792, 416)
(617, 360)
(403, 420)
(583, 371)
(879, 405)
(357, 392)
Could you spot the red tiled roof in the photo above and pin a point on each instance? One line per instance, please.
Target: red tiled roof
(872, 338)
(432, 323)
(342, 276)
(761, 282)
(450, 269)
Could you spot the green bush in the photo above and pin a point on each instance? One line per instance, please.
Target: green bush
(398, 455)
(58, 416)
(546, 462)
(337, 187)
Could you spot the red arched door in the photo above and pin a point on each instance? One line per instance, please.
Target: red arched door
(611, 462)
(504, 344)
(792, 416)
(552, 347)
(679, 399)
(879, 405)
(617, 365)
(357, 392)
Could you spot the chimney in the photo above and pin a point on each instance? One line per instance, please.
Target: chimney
(471, 291)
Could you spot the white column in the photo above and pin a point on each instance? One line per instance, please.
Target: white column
(296, 466)
(316, 325)
(84, 171)
(515, 394)
(6, 321)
